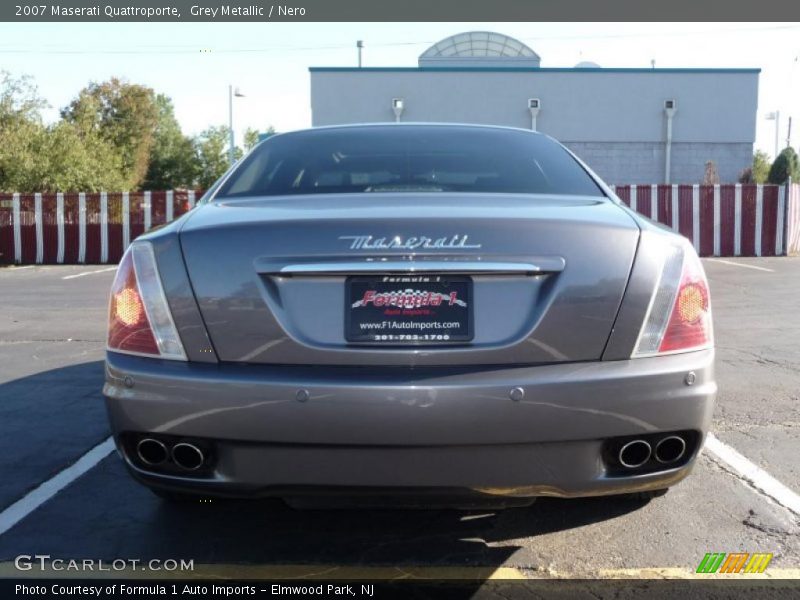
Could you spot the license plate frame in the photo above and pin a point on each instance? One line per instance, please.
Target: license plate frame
(409, 310)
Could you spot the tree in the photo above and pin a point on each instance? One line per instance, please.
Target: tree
(122, 114)
(760, 167)
(251, 136)
(113, 136)
(19, 100)
(211, 147)
(710, 176)
(786, 165)
(39, 158)
(746, 175)
(173, 161)
(20, 124)
(73, 161)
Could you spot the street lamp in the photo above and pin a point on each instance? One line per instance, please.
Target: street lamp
(775, 116)
(791, 100)
(232, 92)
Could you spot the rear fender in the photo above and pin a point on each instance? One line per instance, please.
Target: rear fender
(180, 296)
(642, 282)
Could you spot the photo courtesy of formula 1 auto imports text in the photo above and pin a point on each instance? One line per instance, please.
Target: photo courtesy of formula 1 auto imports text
(388, 300)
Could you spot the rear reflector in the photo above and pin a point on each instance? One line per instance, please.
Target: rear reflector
(139, 320)
(679, 316)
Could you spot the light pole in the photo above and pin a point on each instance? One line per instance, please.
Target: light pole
(670, 108)
(360, 46)
(775, 116)
(232, 92)
(791, 100)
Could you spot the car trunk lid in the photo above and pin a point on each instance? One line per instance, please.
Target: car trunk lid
(547, 273)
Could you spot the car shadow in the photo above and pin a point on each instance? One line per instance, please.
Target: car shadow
(268, 531)
(59, 414)
(47, 421)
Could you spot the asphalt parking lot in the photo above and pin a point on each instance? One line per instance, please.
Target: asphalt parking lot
(52, 327)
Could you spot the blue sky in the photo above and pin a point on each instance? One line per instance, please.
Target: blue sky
(269, 61)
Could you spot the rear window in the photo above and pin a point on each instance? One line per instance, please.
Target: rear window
(408, 159)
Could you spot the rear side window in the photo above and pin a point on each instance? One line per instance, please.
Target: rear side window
(408, 159)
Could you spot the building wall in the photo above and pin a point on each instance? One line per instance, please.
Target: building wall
(613, 118)
(643, 162)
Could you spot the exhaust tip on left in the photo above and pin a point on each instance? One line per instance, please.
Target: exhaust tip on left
(634, 454)
(151, 452)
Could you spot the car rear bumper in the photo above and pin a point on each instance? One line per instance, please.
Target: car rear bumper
(522, 431)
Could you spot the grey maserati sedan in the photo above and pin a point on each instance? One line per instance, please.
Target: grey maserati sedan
(451, 313)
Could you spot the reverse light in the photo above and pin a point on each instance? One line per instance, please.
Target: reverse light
(679, 315)
(139, 320)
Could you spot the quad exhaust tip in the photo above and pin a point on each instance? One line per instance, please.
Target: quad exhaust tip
(670, 449)
(634, 454)
(188, 456)
(151, 452)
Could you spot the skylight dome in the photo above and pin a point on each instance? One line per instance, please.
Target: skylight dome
(479, 48)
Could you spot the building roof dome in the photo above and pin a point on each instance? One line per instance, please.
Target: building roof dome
(587, 64)
(479, 48)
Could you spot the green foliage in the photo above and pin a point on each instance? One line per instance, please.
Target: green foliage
(36, 158)
(72, 161)
(114, 136)
(19, 101)
(173, 162)
(20, 123)
(211, 147)
(122, 114)
(786, 165)
(251, 136)
(760, 167)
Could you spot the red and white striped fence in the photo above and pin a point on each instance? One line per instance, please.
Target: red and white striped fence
(82, 227)
(720, 220)
(793, 220)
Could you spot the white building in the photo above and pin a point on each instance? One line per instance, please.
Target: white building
(617, 120)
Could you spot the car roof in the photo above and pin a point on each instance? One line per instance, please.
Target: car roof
(411, 124)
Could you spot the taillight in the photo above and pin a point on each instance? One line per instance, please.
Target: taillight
(679, 316)
(139, 319)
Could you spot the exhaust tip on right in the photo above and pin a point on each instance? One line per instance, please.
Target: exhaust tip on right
(670, 449)
(634, 454)
(151, 452)
(188, 456)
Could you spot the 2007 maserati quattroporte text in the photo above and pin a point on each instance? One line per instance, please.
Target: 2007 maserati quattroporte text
(410, 311)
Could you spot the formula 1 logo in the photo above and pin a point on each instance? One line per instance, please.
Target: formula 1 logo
(408, 298)
(737, 562)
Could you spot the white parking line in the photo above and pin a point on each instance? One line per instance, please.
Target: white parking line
(89, 273)
(736, 264)
(38, 496)
(753, 474)
(12, 269)
(749, 473)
